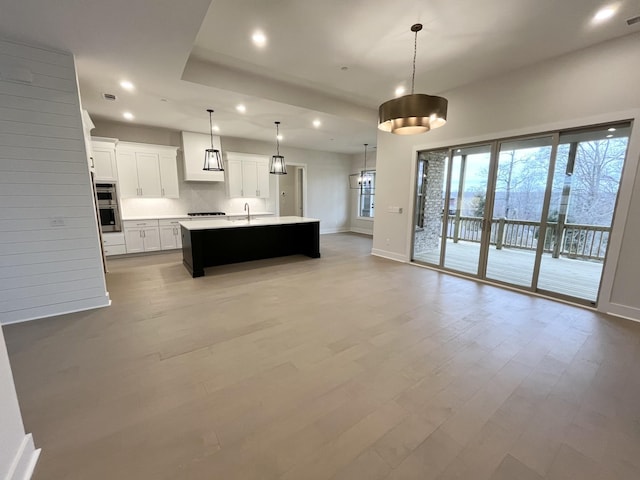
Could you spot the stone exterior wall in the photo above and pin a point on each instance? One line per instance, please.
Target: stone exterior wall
(428, 237)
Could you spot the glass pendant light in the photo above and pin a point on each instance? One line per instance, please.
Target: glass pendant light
(212, 157)
(359, 181)
(414, 113)
(277, 165)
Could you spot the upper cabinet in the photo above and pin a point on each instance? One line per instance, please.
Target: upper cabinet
(247, 175)
(147, 171)
(104, 159)
(193, 147)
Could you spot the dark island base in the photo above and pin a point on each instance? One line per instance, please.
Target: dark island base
(221, 246)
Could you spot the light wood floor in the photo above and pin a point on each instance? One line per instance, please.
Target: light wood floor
(345, 367)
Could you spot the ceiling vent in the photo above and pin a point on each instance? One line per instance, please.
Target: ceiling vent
(633, 20)
(109, 96)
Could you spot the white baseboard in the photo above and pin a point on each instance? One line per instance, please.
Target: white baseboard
(623, 311)
(389, 255)
(333, 230)
(46, 311)
(363, 231)
(25, 460)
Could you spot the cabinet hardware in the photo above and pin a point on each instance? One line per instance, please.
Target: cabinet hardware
(163, 191)
(140, 190)
(257, 193)
(144, 234)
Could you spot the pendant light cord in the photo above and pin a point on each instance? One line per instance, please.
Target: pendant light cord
(278, 138)
(415, 50)
(211, 128)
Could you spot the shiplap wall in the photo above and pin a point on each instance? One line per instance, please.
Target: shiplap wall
(50, 260)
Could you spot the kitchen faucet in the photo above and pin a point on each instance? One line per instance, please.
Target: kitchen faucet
(248, 210)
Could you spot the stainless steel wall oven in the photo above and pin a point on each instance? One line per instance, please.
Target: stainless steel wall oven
(108, 210)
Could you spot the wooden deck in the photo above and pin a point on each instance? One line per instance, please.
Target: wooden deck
(572, 277)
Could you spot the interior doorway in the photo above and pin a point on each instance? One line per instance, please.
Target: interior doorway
(292, 191)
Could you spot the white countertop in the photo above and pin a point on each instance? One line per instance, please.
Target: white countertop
(240, 223)
(244, 214)
(186, 217)
(154, 217)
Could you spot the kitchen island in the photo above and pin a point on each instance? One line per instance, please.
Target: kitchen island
(207, 243)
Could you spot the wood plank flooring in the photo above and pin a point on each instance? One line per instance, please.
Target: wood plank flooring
(345, 367)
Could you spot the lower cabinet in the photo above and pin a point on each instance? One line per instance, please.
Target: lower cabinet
(170, 235)
(113, 244)
(152, 235)
(141, 236)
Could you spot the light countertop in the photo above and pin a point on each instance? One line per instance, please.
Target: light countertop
(242, 222)
(186, 217)
(155, 217)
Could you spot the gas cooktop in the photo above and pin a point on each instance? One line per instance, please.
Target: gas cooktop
(204, 214)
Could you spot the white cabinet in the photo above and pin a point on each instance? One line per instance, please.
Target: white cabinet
(147, 170)
(141, 236)
(168, 175)
(104, 159)
(234, 178)
(247, 175)
(170, 234)
(193, 147)
(113, 244)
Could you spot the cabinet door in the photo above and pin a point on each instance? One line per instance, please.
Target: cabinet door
(151, 238)
(250, 178)
(234, 178)
(262, 174)
(133, 240)
(127, 174)
(178, 234)
(168, 237)
(169, 176)
(104, 162)
(148, 174)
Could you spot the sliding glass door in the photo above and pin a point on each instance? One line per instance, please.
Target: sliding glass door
(532, 212)
(518, 199)
(583, 194)
(465, 208)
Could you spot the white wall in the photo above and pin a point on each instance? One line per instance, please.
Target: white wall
(358, 224)
(327, 179)
(50, 261)
(594, 85)
(18, 455)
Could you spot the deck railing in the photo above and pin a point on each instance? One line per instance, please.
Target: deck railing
(575, 240)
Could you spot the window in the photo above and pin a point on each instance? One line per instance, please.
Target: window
(367, 182)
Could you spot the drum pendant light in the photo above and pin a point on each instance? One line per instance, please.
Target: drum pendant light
(277, 165)
(212, 157)
(414, 113)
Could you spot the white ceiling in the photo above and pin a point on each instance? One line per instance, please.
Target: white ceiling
(187, 56)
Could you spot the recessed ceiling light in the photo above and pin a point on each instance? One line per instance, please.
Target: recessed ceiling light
(241, 108)
(280, 137)
(605, 13)
(128, 115)
(259, 39)
(127, 85)
(317, 123)
(609, 136)
(400, 91)
(344, 69)
(215, 128)
(611, 130)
